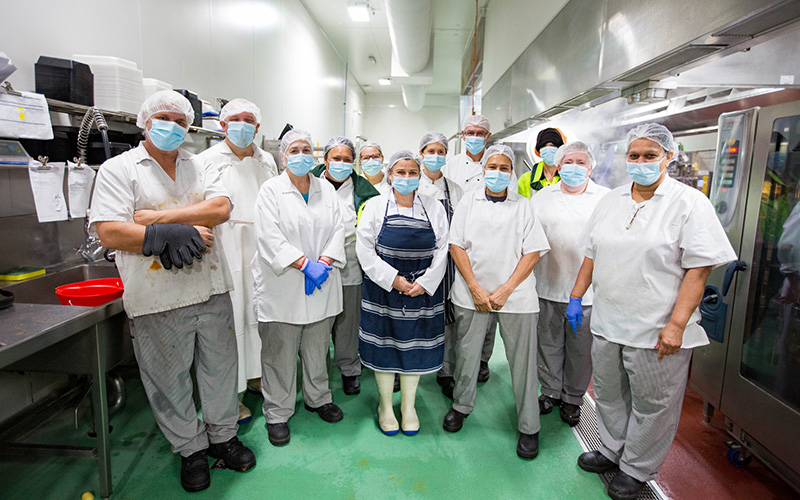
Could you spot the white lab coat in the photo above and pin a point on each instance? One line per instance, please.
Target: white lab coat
(563, 218)
(436, 189)
(378, 270)
(135, 181)
(287, 229)
(242, 180)
(466, 173)
(351, 273)
(495, 236)
(640, 262)
(383, 186)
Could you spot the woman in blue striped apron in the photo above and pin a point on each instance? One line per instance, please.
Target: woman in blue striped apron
(402, 246)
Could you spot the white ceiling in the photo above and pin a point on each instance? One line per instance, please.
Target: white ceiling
(453, 22)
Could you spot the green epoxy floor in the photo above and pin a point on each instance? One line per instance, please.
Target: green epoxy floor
(347, 460)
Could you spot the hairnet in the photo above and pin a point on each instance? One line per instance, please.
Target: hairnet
(574, 147)
(432, 137)
(370, 145)
(294, 136)
(656, 133)
(549, 134)
(500, 149)
(340, 141)
(164, 100)
(402, 155)
(477, 121)
(237, 106)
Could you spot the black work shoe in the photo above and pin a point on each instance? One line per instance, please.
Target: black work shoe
(454, 420)
(448, 385)
(546, 404)
(594, 461)
(483, 372)
(236, 455)
(570, 413)
(194, 471)
(351, 385)
(624, 487)
(396, 383)
(528, 446)
(328, 412)
(278, 434)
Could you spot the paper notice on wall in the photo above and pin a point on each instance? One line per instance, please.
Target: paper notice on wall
(48, 191)
(79, 189)
(25, 116)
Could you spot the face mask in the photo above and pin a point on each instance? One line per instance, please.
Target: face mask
(371, 167)
(496, 180)
(474, 144)
(166, 135)
(241, 133)
(300, 164)
(548, 154)
(644, 174)
(573, 174)
(340, 170)
(405, 185)
(434, 163)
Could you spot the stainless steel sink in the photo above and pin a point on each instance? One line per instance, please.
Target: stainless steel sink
(42, 290)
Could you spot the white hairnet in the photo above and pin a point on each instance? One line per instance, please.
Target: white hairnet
(403, 154)
(574, 147)
(340, 141)
(164, 100)
(500, 149)
(656, 133)
(370, 145)
(236, 106)
(294, 136)
(432, 137)
(477, 121)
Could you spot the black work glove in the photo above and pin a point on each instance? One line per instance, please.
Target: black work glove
(173, 243)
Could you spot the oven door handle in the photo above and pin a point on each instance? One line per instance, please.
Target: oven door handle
(733, 268)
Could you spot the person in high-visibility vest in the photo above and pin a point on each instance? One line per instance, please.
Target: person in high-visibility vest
(545, 173)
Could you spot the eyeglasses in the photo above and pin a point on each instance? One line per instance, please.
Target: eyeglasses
(475, 134)
(633, 218)
(371, 157)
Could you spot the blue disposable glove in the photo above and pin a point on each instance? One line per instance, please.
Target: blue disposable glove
(309, 285)
(575, 313)
(317, 272)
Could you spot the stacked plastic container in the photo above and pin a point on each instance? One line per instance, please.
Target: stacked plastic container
(151, 86)
(117, 83)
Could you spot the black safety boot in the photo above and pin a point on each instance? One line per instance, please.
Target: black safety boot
(278, 434)
(570, 413)
(528, 446)
(236, 455)
(351, 385)
(546, 404)
(624, 487)
(328, 412)
(594, 461)
(195, 475)
(454, 420)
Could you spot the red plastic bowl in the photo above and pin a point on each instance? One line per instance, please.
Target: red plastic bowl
(90, 293)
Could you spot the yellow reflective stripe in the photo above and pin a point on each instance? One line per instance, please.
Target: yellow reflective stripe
(360, 211)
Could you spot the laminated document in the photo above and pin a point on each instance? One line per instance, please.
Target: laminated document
(79, 185)
(47, 185)
(25, 116)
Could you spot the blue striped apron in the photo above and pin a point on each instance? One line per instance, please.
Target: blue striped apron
(399, 333)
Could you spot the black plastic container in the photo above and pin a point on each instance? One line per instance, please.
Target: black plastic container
(64, 80)
(196, 105)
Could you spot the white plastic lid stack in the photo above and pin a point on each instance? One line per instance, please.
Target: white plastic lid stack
(117, 83)
(151, 86)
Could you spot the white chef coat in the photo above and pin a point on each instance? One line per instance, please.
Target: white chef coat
(378, 270)
(351, 273)
(436, 189)
(466, 173)
(286, 229)
(135, 181)
(563, 218)
(495, 236)
(638, 271)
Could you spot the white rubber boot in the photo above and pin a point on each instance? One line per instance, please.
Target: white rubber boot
(408, 397)
(386, 419)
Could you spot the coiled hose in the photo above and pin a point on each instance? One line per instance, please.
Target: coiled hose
(92, 117)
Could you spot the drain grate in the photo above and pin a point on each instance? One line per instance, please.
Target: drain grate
(589, 438)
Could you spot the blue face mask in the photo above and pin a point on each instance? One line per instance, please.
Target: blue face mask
(166, 135)
(474, 144)
(644, 174)
(371, 167)
(241, 133)
(434, 163)
(300, 164)
(573, 174)
(340, 170)
(405, 185)
(496, 180)
(548, 154)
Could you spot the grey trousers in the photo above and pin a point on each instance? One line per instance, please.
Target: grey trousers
(345, 332)
(450, 334)
(639, 402)
(519, 337)
(280, 343)
(165, 345)
(565, 357)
